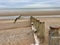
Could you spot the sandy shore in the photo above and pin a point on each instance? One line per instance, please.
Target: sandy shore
(8, 24)
(19, 33)
(23, 24)
(18, 36)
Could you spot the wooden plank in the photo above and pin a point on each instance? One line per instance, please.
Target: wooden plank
(28, 13)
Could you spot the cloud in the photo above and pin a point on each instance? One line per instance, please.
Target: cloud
(14, 0)
(37, 5)
(47, 3)
(29, 3)
(12, 4)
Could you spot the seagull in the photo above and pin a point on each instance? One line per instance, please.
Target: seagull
(17, 19)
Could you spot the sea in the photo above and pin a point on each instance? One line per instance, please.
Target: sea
(29, 9)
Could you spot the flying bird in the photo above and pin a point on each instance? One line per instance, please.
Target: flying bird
(17, 19)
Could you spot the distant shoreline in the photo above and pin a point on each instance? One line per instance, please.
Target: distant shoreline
(34, 8)
(26, 17)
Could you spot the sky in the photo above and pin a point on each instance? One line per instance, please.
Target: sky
(29, 3)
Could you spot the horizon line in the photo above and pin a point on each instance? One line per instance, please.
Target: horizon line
(34, 8)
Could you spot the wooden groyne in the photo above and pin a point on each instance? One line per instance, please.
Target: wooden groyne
(49, 21)
(40, 28)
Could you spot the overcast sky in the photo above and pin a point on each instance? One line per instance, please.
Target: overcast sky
(29, 3)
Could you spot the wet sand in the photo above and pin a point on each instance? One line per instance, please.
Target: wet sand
(28, 13)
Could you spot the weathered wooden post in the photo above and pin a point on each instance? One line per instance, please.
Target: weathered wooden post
(41, 31)
(54, 35)
(37, 25)
(32, 21)
(40, 27)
